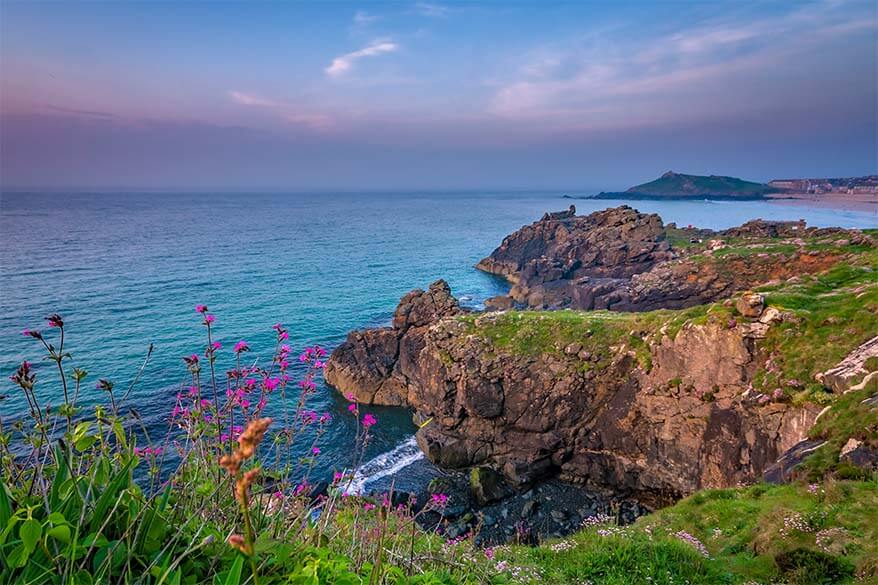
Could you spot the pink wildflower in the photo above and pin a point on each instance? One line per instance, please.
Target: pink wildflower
(368, 506)
(369, 420)
(352, 408)
(208, 319)
(271, 383)
(216, 345)
(440, 500)
(200, 308)
(241, 346)
(315, 451)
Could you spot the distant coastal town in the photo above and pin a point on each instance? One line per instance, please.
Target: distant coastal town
(847, 185)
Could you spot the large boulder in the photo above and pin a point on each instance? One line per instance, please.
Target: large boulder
(857, 369)
(372, 365)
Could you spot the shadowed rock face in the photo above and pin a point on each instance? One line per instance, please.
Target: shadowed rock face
(372, 365)
(553, 260)
(620, 259)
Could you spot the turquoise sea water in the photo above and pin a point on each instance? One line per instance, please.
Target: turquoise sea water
(127, 269)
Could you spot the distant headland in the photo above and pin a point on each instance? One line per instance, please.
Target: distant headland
(676, 186)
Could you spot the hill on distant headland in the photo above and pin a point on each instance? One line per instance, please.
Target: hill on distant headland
(673, 185)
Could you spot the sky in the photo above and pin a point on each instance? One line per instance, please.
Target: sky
(421, 95)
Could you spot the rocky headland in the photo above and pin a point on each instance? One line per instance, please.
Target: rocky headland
(673, 185)
(694, 359)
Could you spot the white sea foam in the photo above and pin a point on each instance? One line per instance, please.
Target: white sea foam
(385, 464)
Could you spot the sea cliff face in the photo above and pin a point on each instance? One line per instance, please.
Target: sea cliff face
(655, 404)
(589, 412)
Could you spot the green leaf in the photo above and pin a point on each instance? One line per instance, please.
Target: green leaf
(120, 434)
(111, 493)
(10, 526)
(18, 557)
(56, 518)
(95, 540)
(5, 506)
(234, 575)
(61, 533)
(85, 443)
(61, 476)
(30, 533)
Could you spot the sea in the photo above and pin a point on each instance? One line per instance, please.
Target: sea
(126, 269)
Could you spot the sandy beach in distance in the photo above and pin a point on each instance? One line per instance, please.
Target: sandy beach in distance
(851, 201)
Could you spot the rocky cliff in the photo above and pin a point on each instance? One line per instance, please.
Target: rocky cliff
(656, 404)
(639, 411)
(623, 260)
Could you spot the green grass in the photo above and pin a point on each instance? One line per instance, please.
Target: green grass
(534, 333)
(847, 418)
(746, 532)
(833, 313)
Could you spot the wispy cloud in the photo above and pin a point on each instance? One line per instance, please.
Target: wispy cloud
(341, 65)
(431, 10)
(607, 80)
(363, 18)
(292, 113)
(246, 99)
(80, 112)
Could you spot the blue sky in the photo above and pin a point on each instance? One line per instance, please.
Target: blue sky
(332, 95)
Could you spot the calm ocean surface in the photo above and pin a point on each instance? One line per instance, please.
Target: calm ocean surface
(127, 269)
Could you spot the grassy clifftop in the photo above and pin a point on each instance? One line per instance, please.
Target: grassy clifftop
(808, 533)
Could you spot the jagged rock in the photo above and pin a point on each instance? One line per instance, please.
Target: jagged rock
(770, 316)
(851, 445)
(499, 303)
(750, 304)
(784, 469)
(546, 258)
(372, 365)
(860, 454)
(487, 485)
(619, 259)
(419, 308)
(853, 368)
